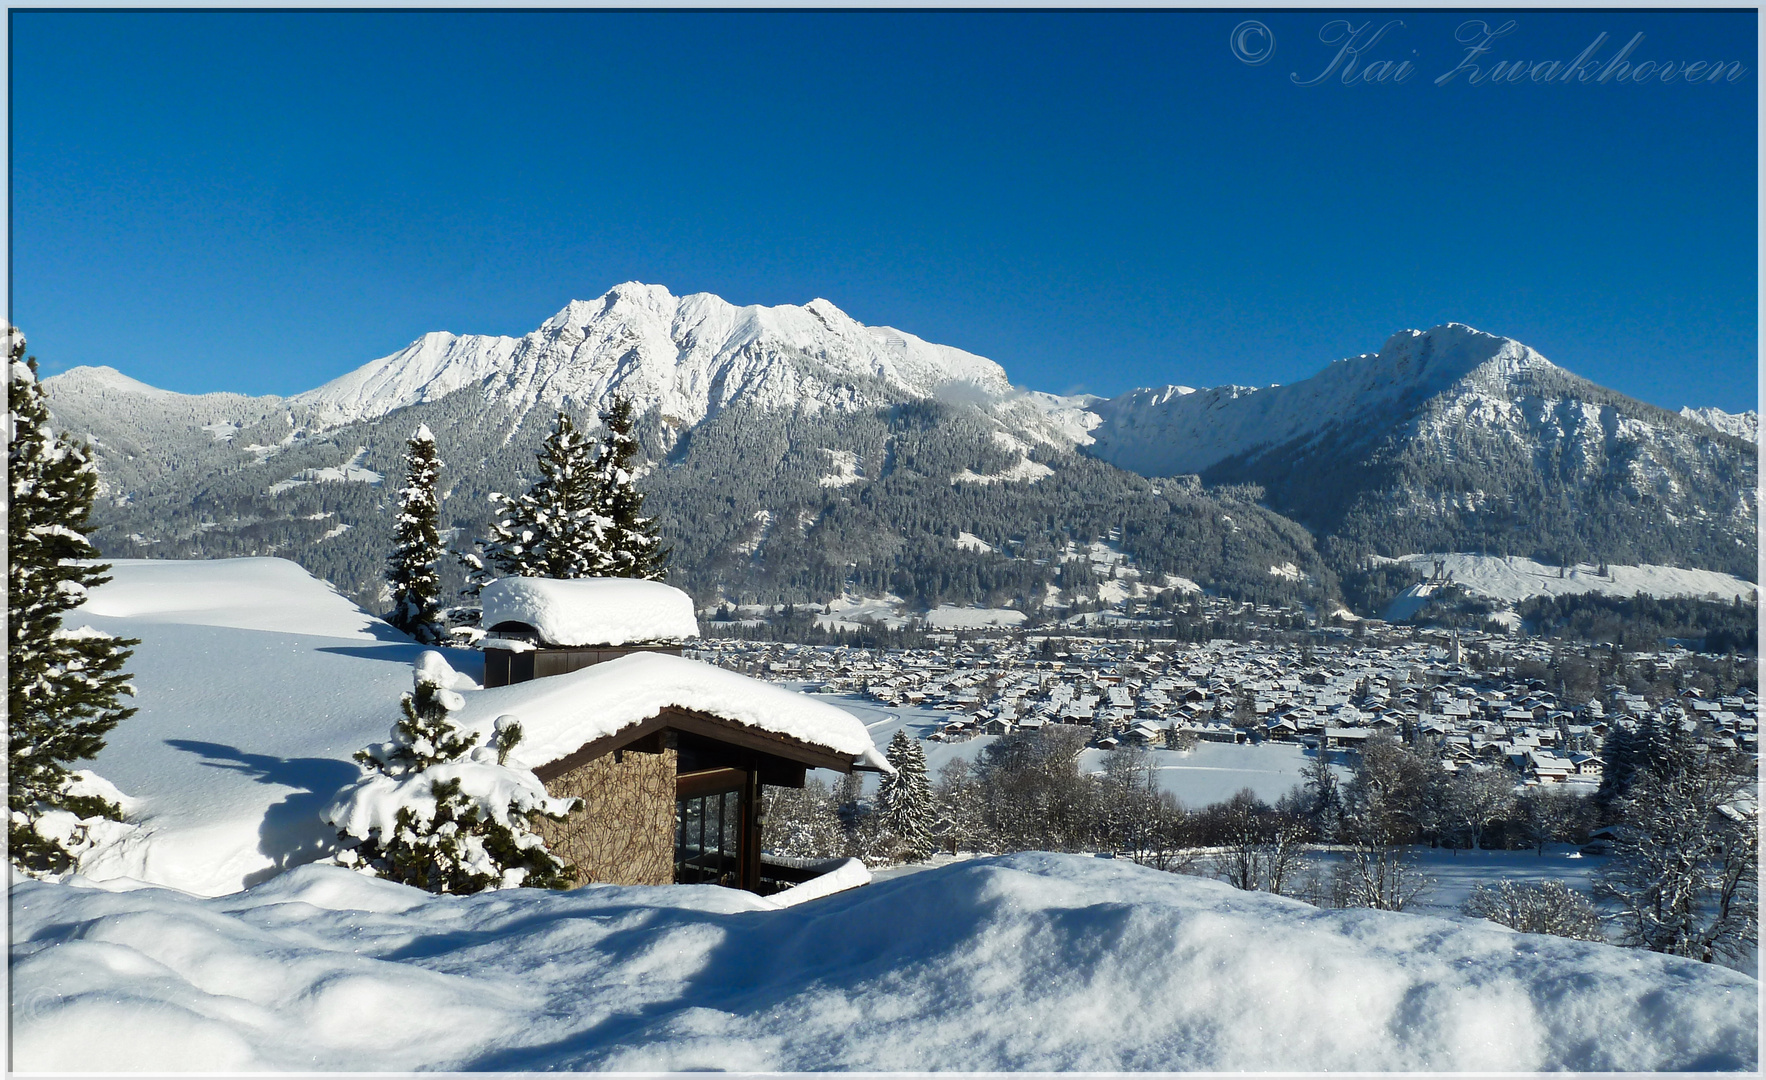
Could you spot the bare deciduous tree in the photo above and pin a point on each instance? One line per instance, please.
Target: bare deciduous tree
(1683, 872)
(1545, 907)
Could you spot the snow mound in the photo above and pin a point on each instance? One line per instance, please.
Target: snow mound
(561, 713)
(591, 611)
(270, 595)
(1027, 962)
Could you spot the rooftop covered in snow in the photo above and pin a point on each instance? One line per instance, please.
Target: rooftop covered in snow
(563, 714)
(589, 611)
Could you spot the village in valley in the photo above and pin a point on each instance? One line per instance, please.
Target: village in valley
(1498, 710)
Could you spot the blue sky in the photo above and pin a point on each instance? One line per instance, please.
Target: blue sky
(258, 201)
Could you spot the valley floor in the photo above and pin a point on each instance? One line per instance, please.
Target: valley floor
(1210, 773)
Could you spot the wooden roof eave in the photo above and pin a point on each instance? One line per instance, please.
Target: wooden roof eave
(693, 722)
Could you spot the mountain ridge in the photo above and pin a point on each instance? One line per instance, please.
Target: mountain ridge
(1445, 439)
(547, 366)
(687, 357)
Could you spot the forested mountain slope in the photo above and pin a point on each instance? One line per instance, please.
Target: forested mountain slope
(798, 454)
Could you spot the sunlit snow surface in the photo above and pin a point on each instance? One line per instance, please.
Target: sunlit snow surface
(1030, 961)
(255, 684)
(591, 611)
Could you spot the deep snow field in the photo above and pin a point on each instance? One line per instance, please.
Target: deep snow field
(255, 683)
(1029, 961)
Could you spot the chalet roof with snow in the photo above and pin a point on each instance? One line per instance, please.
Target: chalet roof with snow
(581, 713)
(588, 611)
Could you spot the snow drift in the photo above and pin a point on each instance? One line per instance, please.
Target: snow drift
(1030, 961)
(256, 684)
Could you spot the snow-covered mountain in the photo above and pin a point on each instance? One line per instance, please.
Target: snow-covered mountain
(1446, 439)
(747, 408)
(1742, 425)
(1455, 439)
(690, 357)
(1176, 429)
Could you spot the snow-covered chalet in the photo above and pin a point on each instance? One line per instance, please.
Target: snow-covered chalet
(667, 754)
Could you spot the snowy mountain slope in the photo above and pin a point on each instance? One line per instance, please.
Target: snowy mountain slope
(255, 684)
(257, 495)
(687, 357)
(142, 432)
(1454, 439)
(1026, 962)
(1742, 425)
(430, 368)
(1449, 439)
(1177, 430)
(1516, 579)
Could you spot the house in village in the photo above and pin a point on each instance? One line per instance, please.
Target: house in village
(667, 754)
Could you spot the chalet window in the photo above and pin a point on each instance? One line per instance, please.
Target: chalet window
(708, 831)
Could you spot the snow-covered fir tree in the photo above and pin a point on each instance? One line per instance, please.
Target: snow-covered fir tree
(962, 806)
(555, 530)
(413, 570)
(64, 686)
(631, 545)
(905, 809)
(444, 809)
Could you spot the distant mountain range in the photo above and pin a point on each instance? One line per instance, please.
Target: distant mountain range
(801, 455)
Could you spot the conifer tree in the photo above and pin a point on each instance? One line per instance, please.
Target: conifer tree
(64, 687)
(414, 568)
(905, 807)
(556, 530)
(460, 810)
(631, 545)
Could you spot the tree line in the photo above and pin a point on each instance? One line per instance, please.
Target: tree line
(1680, 880)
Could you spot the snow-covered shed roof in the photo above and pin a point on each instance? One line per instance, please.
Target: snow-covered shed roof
(591, 611)
(561, 714)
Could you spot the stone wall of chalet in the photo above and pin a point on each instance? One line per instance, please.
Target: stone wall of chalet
(624, 832)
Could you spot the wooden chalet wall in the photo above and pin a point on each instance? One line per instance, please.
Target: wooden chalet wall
(624, 833)
(503, 667)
